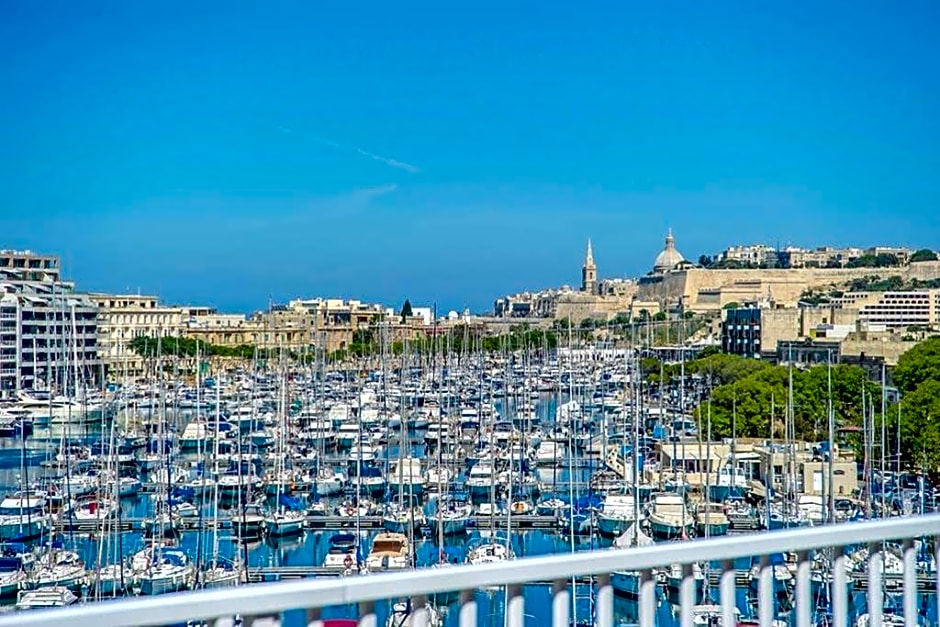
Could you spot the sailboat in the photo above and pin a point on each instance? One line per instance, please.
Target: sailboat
(451, 518)
(627, 582)
(168, 569)
(219, 572)
(110, 579)
(712, 616)
(289, 517)
(403, 615)
(489, 552)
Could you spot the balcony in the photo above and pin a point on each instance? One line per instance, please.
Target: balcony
(363, 592)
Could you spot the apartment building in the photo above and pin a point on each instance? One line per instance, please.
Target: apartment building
(48, 336)
(25, 265)
(332, 322)
(124, 317)
(895, 310)
(754, 254)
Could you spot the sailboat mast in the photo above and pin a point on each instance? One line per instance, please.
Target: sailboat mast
(884, 439)
(830, 483)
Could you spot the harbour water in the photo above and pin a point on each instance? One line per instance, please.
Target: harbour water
(210, 532)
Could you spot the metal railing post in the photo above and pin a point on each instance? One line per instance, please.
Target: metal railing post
(367, 617)
(765, 592)
(647, 598)
(561, 599)
(839, 592)
(909, 557)
(515, 606)
(804, 595)
(727, 592)
(687, 594)
(875, 596)
(604, 602)
(468, 609)
(419, 611)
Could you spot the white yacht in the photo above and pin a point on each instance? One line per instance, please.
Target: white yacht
(53, 596)
(669, 518)
(489, 552)
(390, 551)
(95, 509)
(618, 512)
(329, 482)
(343, 552)
(406, 475)
(348, 434)
(168, 569)
(23, 516)
(284, 522)
(482, 479)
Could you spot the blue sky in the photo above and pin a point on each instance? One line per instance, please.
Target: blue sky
(234, 153)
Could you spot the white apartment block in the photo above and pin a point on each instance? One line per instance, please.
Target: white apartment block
(755, 254)
(895, 310)
(48, 337)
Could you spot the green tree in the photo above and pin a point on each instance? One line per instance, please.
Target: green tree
(882, 260)
(621, 319)
(924, 254)
(406, 311)
(920, 426)
(920, 363)
(731, 305)
(753, 398)
(724, 368)
(708, 351)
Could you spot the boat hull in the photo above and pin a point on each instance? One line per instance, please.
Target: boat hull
(669, 531)
(612, 527)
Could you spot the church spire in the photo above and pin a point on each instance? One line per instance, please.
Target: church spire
(589, 256)
(589, 271)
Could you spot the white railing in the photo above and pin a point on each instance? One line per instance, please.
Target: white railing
(272, 599)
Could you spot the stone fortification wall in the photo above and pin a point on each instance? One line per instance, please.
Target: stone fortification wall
(781, 285)
(579, 306)
(923, 270)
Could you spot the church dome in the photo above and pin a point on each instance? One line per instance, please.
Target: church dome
(669, 258)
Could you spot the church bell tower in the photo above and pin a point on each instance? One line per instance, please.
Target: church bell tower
(589, 272)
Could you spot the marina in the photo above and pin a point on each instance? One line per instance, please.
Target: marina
(277, 473)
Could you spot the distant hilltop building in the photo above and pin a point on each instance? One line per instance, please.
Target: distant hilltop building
(669, 258)
(735, 275)
(597, 299)
(757, 272)
(589, 272)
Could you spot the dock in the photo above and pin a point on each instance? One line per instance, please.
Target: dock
(520, 521)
